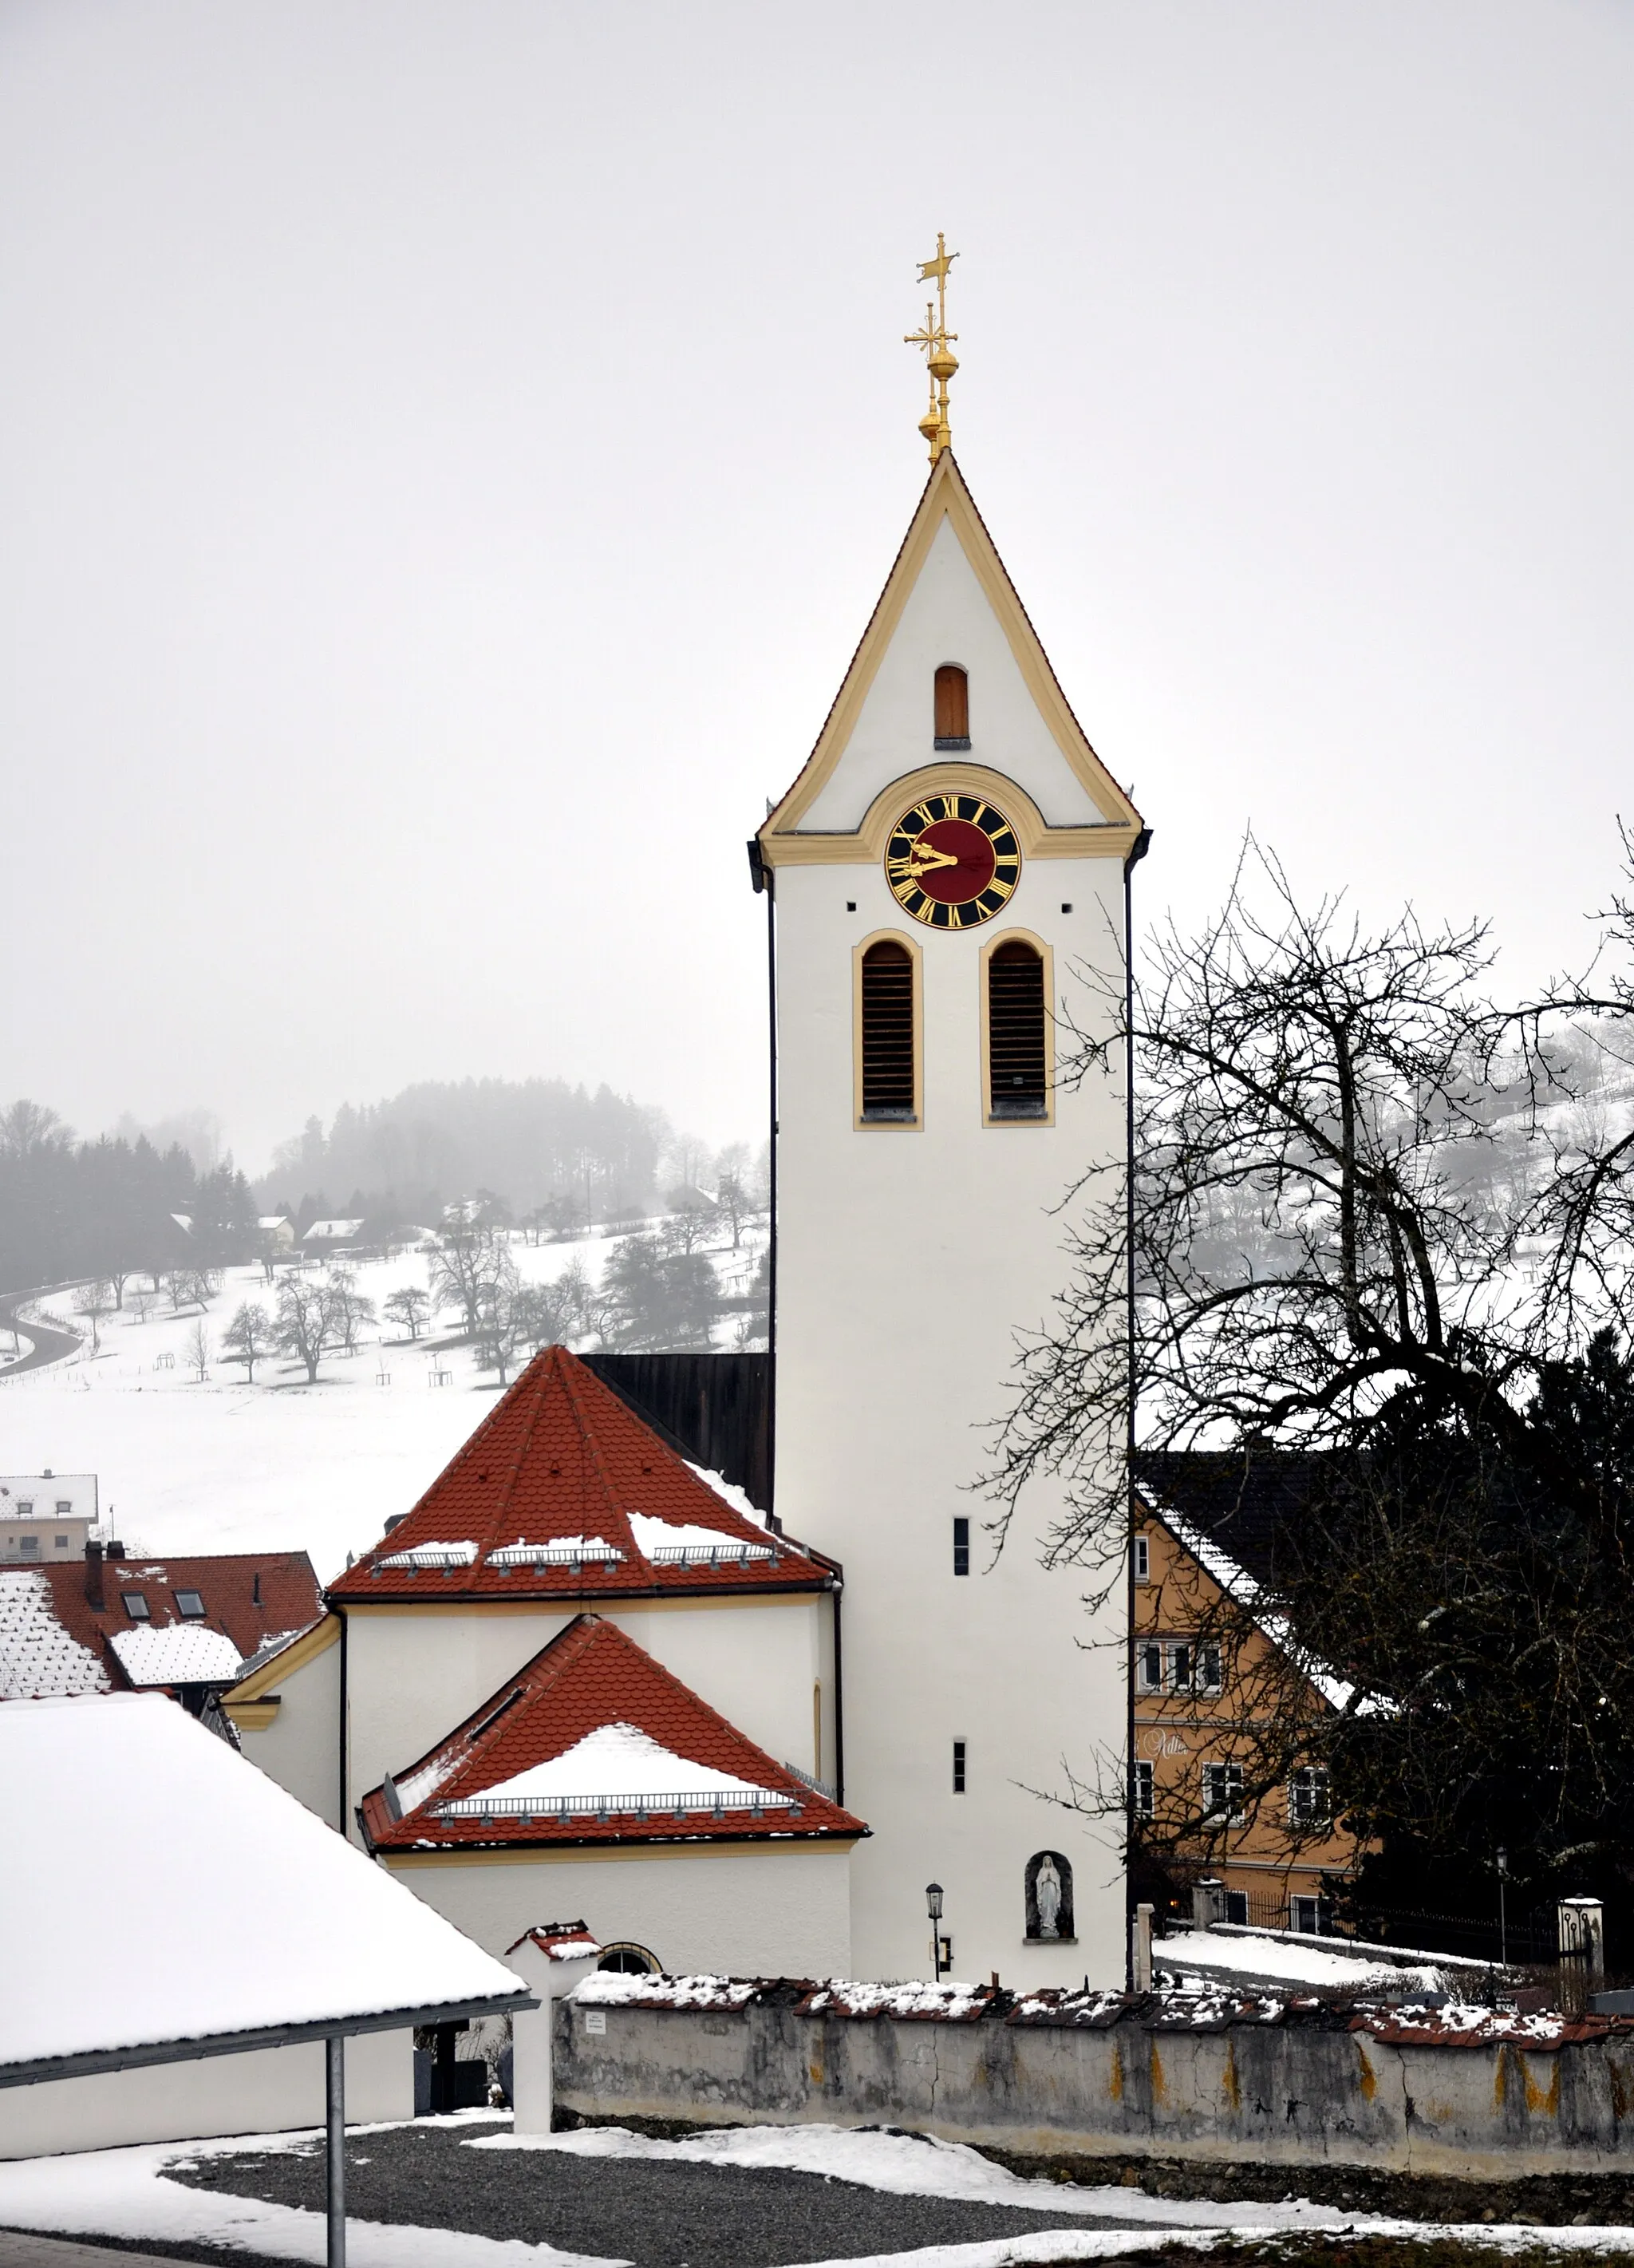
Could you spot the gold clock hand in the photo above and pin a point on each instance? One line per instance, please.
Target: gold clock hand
(923, 858)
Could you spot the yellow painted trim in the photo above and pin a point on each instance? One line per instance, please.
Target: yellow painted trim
(867, 846)
(808, 1595)
(915, 1124)
(946, 497)
(253, 1716)
(1046, 953)
(317, 1640)
(544, 1854)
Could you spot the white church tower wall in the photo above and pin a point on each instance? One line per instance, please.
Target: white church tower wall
(912, 1250)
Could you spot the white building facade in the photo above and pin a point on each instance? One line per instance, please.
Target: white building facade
(919, 1232)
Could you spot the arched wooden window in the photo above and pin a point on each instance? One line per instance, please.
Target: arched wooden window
(952, 707)
(1017, 1068)
(887, 1041)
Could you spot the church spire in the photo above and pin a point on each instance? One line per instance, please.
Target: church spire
(935, 338)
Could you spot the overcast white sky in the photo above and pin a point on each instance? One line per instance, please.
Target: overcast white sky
(448, 452)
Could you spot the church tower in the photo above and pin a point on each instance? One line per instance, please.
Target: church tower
(953, 850)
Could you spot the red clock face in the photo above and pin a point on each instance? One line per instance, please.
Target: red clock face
(970, 861)
(953, 861)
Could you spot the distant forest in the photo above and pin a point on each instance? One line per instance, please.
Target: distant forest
(531, 1144)
(537, 1152)
(106, 1208)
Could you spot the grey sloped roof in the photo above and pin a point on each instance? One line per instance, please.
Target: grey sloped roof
(1250, 1504)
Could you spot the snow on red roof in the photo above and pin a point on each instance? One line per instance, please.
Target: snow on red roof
(561, 1491)
(559, 1941)
(248, 1598)
(590, 1701)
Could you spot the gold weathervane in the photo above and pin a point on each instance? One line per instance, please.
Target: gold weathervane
(936, 339)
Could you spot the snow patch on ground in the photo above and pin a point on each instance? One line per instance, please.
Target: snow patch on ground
(1274, 1959)
(124, 2193)
(911, 2165)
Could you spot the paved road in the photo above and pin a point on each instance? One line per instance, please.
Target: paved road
(48, 1345)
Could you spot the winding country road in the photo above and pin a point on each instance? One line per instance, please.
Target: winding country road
(48, 1345)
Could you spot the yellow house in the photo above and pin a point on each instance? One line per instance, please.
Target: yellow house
(1211, 1661)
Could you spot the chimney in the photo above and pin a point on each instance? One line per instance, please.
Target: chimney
(93, 1576)
(115, 1549)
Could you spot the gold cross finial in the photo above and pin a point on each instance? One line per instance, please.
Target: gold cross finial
(934, 337)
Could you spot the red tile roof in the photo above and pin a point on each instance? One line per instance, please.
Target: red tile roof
(560, 1459)
(251, 1596)
(589, 1676)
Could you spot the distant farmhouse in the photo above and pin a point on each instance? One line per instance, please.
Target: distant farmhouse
(45, 1516)
(1205, 1566)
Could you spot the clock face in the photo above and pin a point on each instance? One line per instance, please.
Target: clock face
(953, 861)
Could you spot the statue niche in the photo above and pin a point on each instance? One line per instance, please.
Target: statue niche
(1049, 1898)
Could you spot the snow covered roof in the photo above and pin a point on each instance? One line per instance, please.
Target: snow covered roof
(559, 1941)
(37, 1655)
(560, 1464)
(594, 1742)
(329, 1232)
(240, 1604)
(181, 1653)
(318, 1937)
(48, 1496)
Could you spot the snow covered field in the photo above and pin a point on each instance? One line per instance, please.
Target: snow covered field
(187, 1465)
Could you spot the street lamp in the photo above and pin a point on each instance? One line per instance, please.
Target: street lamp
(1503, 1916)
(933, 1907)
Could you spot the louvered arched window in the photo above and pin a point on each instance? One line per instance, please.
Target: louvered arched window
(1018, 1031)
(887, 1034)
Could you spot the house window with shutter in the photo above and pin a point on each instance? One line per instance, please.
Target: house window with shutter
(1015, 1019)
(887, 1032)
(952, 707)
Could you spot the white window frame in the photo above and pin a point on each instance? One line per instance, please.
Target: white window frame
(1140, 1554)
(1306, 1782)
(1147, 1652)
(1220, 1777)
(1143, 1789)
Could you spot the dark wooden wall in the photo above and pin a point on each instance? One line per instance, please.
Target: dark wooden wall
(714, 1408)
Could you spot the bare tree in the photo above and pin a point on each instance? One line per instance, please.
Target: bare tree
(410, 1307)
(199, 1348)
(141, 1305)
(732, 1197)
(463, 1268)
(93, 1300)
(249, 1339)
(302, 1327)
(1329, 1280)
(502, 1317)
(348, 1310)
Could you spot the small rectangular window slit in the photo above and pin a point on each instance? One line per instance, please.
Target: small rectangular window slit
(959, 1767)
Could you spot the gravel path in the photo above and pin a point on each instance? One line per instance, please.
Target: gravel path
(673, 2215)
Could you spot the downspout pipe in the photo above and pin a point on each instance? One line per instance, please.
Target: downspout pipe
(760, 876)
(1138, 851)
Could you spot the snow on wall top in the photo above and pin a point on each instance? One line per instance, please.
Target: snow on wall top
(183, 1653)
(37, 1655)
(318, 1934)
(1452, 2025)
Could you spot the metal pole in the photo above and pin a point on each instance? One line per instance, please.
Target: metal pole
(335, 2151)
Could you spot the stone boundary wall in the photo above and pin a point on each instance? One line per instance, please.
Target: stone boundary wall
(1464, 2091)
